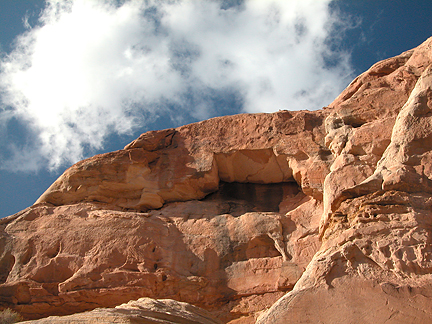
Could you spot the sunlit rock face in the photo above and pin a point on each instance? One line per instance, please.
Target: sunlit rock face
(299, 217)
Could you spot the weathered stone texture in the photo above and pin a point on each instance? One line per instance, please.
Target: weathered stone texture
(300, 217)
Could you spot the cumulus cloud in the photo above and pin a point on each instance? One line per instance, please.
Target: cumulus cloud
(92, 68)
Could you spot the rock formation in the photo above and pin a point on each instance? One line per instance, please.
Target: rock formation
(143, 310)
(309, 216)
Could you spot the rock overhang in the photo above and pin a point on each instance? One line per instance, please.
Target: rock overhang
(184, 164)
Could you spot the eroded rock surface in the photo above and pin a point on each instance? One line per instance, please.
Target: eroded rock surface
(220, 253)
(310, 217)
(374, 264)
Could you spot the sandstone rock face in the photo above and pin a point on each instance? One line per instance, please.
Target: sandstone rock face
(306, 217)
(232, 255)
(374, 264)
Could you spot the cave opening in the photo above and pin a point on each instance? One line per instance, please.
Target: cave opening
(239, 198)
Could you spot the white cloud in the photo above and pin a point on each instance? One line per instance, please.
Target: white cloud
(91, 68)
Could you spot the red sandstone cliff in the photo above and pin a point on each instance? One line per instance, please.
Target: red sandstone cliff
(322, 216)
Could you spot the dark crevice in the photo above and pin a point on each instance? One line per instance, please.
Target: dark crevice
(6, 264)
(238, 198)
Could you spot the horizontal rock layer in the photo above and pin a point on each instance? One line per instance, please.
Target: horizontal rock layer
(321, 216)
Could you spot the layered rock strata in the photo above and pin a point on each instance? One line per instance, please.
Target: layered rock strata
(321, 216)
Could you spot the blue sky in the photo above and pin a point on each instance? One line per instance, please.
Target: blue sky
(79, 77)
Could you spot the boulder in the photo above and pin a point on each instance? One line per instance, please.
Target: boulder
(141, 311)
